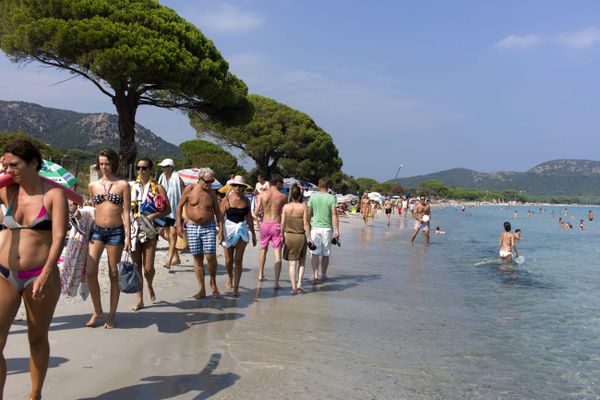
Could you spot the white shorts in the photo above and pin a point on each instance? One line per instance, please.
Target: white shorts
(321, 237)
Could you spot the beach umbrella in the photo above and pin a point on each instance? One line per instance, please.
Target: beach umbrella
(289, 182)
(57, 173)
(190, 175)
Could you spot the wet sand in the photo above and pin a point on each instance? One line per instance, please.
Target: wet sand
(365, 333)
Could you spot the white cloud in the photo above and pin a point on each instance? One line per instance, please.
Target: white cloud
(580, 40)
(519, 42)
(228, 19)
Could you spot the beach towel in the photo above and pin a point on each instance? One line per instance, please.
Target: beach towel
(72, 259)
(173, 190)
(234, 232)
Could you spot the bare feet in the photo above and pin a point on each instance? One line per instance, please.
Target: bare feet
(200, 295)
(236, 294)
(228, 284)
(323, 277)
(301, 289)
(262, 278)
(216, 292)
(151, 294)
(315, 280)
(167, 266)
(92, 322)
(276, 287)
(110, 324)
(137, 307)
(176, 262)
(294, 292)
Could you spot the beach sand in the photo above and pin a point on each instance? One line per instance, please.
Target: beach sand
(336, 341)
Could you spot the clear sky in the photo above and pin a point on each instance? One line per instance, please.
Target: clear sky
(487, 85)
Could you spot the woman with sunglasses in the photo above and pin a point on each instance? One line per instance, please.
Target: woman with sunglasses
(110, 197)
(238, 224)
(36, 222)
(148, 200)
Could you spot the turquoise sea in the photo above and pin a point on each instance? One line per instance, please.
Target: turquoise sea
(479, 328)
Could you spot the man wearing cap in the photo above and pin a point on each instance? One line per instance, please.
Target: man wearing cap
(325, 227)
(202, 209)
(421, 213)
(270, 203)
(170, 180)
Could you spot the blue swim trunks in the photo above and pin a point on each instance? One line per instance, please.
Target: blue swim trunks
(202, 239)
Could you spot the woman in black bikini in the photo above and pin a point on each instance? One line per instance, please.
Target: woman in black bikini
(110, 197)
(35, 221)
(239, 224)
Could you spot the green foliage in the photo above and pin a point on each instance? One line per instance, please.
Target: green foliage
(201, 153)
(137, 52)
(277, 138)
(343, 183)
(366, 184)
(48, 152)
(433, 187)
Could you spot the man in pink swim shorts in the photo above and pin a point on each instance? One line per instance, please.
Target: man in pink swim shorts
(270, 203)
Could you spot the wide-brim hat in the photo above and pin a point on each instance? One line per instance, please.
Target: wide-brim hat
(238, 180)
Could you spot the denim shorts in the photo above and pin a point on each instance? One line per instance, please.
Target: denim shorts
(112, 236)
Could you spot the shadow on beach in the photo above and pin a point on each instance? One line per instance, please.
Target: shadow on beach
(20, 365)
(170, 386)
(166, 322)
(344, 282)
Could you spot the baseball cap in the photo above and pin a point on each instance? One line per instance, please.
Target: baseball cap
(167, 162)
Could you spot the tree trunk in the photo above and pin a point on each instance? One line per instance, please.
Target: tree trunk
(263, 169)
(126, 109)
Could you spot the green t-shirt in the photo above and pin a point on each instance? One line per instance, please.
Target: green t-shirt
(321, 204)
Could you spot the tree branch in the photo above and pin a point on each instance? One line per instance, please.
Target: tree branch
(58, 64)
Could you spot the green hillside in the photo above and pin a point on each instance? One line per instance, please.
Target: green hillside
(72, 130)
(553, 178)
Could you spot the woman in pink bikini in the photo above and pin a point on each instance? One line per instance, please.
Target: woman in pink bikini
(35, 221)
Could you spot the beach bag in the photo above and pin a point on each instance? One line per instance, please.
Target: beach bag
(147, 231)
(182, 242)
(129, 280)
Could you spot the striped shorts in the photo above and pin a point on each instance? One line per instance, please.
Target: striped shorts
(202, 239)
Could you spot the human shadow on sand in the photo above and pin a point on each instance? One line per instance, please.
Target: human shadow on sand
(165, 321)
(20, 365)
(343, 282)
(169, 386)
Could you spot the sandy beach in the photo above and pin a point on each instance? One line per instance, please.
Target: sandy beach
(267, 344)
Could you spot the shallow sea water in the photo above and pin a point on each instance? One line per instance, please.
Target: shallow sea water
(492, 330)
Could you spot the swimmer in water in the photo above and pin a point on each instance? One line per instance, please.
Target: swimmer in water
(518, 234)
(581, 224)
(590, 216)
(507, 244)
(439, 231)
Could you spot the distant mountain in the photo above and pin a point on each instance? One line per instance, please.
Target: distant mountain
(552, 178)
(72, 130)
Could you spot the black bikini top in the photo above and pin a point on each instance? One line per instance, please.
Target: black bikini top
(236, 215)
(114, 198)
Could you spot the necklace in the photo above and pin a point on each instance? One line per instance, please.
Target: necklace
(107, 185)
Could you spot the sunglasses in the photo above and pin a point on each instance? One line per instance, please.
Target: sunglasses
(141, 168)
(207, 181)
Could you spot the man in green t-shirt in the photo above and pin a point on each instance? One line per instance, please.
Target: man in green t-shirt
(325, 226)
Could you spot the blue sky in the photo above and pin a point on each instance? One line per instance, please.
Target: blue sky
(485, 85)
